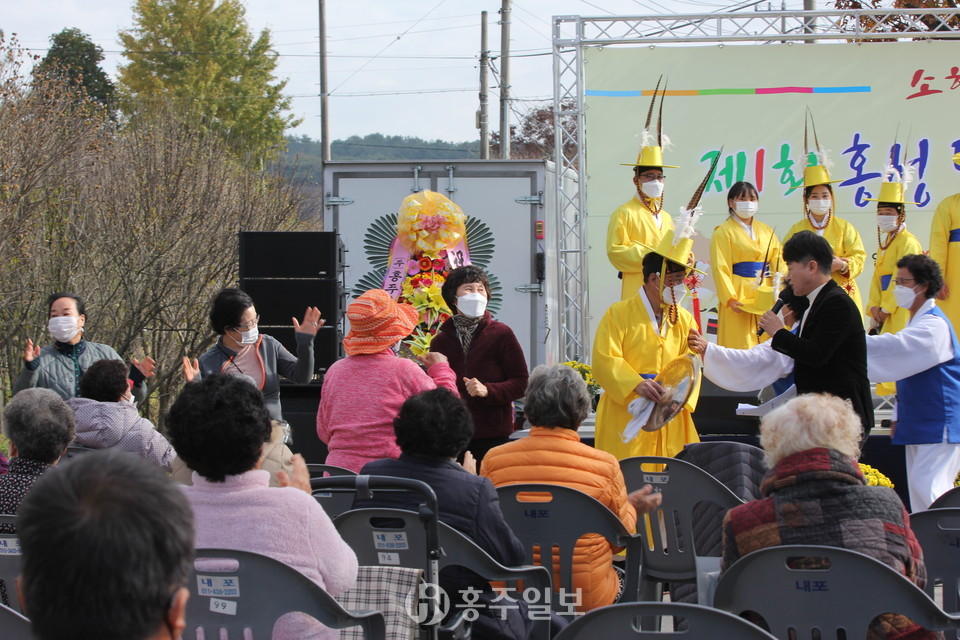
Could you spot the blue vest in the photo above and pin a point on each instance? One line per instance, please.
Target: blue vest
(930, 400)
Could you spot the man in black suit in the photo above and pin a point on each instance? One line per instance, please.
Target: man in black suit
(830, 352)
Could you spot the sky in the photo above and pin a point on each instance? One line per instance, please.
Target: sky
(397, 67)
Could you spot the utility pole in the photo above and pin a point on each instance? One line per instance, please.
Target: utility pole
(483, 122)
(809, 24)
(505, 79)
(324, 109)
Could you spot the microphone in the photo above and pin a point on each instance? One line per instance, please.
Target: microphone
(776, 308)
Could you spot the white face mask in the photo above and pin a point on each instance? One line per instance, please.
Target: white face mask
(63, 328)
(652, 189)
(820, 207)
(250, 337)
(472, 305)
(887, 223)
(129, 400)
(675, 294)
(745, 208)
(904, 296)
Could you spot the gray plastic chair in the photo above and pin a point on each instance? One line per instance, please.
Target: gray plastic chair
(689, 492)
(558, 523)
(622, 621)
(9, 565)
(847, 595)
(358, 529)
(950, 499)
(14, 625)
(938, 532)
(333, 503)
(265, 590)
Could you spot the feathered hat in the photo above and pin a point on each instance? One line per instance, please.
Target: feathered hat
(820, 172)
(652, 155)
(895, 181)
(676, 245)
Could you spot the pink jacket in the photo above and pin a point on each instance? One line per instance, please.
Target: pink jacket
(286, 524)
(361, 396)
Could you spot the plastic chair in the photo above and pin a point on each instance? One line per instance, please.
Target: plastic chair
(843, 597)
(950, 499)
(938, 532)
(9, 565)
(689, 493)
(14, 625)
(556, 521)
(255, 593)
(361, 527)
(333, 503)
(622, 621)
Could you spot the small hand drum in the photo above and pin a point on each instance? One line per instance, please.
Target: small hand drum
(678, 379)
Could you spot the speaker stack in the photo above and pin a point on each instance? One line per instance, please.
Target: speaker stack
(286, 272)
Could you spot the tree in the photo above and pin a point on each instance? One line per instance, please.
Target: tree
(899, 23)
(201, 53)
(533, 137)
(73, 55)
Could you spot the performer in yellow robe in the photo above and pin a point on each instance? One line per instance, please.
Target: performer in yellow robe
(741, 248)
(945, 249)
(819, 218)
(894, 242)
(635, 339)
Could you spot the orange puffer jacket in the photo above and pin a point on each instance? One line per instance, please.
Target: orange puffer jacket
(556, 456)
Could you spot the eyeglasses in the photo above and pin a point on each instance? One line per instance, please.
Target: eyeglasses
(248, 327)
(650, 177)
(903, 281)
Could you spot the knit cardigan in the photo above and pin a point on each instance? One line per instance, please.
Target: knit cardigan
(495, 358)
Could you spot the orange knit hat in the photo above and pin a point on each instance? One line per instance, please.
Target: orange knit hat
(377, 321)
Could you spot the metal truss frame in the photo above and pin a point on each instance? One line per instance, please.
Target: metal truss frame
(572, 33)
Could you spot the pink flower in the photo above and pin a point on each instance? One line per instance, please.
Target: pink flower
(431, 223)
(413, 268)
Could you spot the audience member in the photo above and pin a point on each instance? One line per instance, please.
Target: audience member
(107, 547)
(40, 426)
(557, 401)
(816, 494)
(107, 417)
(219, 426)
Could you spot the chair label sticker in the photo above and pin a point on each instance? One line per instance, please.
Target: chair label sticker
(384, 557)
(9, 546)
(390, 540)
(218, 587)
(226, 607)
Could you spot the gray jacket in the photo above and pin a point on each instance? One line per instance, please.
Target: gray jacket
(59, 368)
(118, 425)
(275, 359)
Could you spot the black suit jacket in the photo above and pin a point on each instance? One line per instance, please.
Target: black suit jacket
(830, 354)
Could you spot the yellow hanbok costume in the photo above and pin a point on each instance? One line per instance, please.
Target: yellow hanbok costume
(632, 230)
(846, 243)
(945, 249)
(629, 346)
(736, 259)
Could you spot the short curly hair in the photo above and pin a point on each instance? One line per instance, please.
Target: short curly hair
(810, 421)
(105, 381)
(40, 424)
(924, 270)
(434, 424)
(218, 426)
(227, 308)
(460, 276)
(557, 396)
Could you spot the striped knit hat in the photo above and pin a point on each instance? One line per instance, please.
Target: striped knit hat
(377, 321)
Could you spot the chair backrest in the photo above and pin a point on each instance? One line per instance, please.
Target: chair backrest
(689, 492)
(846, 592)
(333, 503)
(949, 499)
(623, 621)
(14, 625)
(250, 591)
(549, 519)
(938, 532)
(9, 565)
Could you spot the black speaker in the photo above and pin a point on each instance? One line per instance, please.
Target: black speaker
(716, 412)
(327, 346)
(290, 254)
(278, 301)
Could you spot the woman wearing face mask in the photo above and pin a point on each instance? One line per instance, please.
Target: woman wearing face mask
(485, 355)
(819, 216)
(242, 350)
(740, 249)
(893, 243)
(59, 366)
